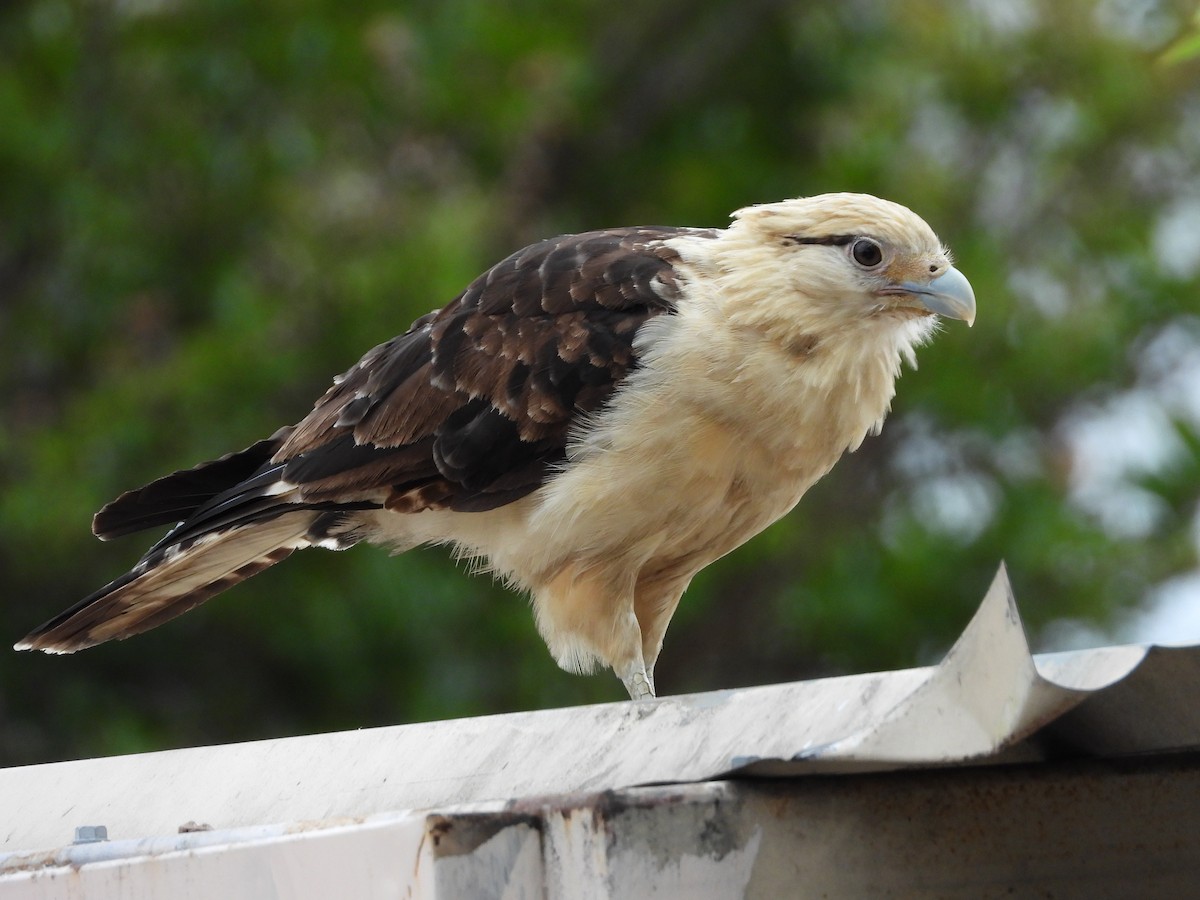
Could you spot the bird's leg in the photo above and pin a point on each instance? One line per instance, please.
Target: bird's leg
(633, 673)
(654, 603)
(638, 681)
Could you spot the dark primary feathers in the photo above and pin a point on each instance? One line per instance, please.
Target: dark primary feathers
(173, 498)
(468, 410)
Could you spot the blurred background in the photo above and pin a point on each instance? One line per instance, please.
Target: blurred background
(208, 209)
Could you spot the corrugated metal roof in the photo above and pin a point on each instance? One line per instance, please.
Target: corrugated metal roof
(988, 701)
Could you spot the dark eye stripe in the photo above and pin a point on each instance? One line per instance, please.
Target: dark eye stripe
(829, 240)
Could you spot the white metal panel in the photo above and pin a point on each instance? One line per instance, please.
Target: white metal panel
(370, 861)
(1089, 830)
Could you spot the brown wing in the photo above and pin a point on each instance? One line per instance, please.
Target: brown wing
(471, 408)
(468, 410)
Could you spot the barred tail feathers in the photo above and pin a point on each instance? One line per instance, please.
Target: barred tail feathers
(172, 580)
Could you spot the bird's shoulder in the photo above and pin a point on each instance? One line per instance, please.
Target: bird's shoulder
(471, 406)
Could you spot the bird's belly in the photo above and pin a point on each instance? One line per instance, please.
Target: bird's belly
(672, 498)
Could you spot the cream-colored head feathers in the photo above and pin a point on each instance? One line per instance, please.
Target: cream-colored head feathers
(840, 213)
(799, 271)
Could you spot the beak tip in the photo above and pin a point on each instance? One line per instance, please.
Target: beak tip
(951, 295)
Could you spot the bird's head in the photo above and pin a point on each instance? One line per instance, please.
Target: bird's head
(844, 263)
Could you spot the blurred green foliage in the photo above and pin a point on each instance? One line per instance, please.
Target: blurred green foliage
(209, 209)
(1187, 47)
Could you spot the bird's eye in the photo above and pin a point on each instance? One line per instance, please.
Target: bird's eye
(866, 252)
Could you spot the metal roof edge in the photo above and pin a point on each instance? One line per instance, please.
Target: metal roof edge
(989, 701)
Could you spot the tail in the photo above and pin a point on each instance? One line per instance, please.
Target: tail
(171, 580)
(236, 517)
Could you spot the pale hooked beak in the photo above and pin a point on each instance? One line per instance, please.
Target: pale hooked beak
(947, 295)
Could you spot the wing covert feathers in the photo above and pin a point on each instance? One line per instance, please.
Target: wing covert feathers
(471, 408)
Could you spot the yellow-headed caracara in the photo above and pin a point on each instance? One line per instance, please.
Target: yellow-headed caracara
(598, 417)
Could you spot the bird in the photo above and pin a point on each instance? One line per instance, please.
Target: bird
(593, 420)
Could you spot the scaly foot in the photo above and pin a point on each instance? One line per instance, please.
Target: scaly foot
(639, 685)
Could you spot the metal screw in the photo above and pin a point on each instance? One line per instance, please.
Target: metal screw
(90, 834)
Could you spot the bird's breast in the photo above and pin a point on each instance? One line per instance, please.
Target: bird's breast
(715, 436)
